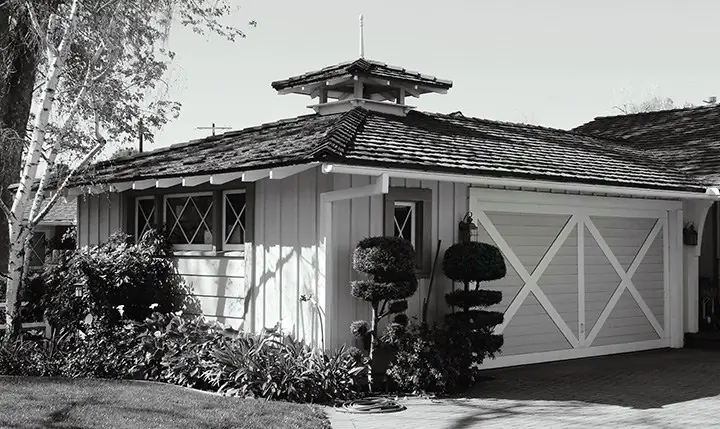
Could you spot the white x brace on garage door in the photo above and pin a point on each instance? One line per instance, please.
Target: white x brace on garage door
(586, 275)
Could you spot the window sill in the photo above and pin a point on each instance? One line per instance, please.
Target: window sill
(211, 253)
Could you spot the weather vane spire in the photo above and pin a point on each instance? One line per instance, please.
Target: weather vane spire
(362, 38)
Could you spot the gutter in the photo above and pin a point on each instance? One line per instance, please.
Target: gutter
(711, 193)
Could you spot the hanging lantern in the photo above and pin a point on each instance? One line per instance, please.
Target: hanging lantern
(465, 228)
(690, 235)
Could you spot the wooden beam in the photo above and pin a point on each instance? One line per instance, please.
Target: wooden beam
(166, 183)
(283, 172)
(144, 184)
(194, 180)
(401, 96)
(120, 187)
(219, 179)
(255, 175)
(74, 192)
(358, 89)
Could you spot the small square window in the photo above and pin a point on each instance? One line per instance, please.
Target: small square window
(234, 220)
(144, 215)
(189, 221)
(408, 215)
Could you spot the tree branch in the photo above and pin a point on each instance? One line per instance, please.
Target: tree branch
(5, 209)
(35, 24)
(49, 45)
(101, 141)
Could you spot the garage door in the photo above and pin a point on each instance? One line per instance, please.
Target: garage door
(586, 275)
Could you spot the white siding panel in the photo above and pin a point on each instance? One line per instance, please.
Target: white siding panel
(271, 274)
(216, 286)
(307, 257)
(289, 284)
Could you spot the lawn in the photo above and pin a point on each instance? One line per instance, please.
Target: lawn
(28, 402)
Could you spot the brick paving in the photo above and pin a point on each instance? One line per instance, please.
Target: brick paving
(656, 389)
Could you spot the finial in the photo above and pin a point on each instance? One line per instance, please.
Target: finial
(362, 38)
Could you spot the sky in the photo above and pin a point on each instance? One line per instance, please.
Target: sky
(556, 63)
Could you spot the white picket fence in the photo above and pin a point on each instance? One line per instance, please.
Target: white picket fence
(32, 325)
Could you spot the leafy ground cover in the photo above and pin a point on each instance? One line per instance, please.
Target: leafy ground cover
(47, 402)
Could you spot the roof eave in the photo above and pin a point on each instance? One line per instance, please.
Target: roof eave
(474, 178)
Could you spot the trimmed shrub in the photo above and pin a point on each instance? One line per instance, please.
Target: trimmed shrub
(390, 264)
(473, 262)
(470, 331)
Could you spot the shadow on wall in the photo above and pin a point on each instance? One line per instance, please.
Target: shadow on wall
(642, 380)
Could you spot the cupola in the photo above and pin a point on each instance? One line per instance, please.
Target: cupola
(370, 84)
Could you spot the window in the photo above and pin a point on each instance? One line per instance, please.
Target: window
(405, 221)
(408, 215)
(38, 248)
(189, 221)
(234, 220)
(144, 215)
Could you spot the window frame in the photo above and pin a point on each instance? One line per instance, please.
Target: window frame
(212, 215)
(153, 216)
(422, 200)
(33, 245)
(227, 246)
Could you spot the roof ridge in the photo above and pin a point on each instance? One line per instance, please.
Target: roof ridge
(657, 112)
(338, 137)
(459, 115)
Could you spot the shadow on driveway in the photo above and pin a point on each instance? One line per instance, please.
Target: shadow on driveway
(642, 380)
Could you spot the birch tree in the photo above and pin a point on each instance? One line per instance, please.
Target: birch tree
(97, 62)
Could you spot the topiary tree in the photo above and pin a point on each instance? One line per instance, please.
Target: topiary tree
(471, 263)
(390, 265)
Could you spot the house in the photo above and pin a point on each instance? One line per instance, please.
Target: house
(51, 228)
(590, 226)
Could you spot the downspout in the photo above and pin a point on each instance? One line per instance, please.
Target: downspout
(326, 272)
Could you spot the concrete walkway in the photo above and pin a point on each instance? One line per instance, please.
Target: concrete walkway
(658, 389)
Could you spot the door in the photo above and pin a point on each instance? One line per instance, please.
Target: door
(586, 275)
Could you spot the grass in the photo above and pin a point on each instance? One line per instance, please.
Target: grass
(33, 402)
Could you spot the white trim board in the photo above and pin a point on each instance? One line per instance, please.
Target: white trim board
(568, 354)
(512, 198)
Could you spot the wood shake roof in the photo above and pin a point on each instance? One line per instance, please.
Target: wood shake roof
(688, 139)
(419, 141)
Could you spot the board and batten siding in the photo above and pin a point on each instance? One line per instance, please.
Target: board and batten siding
(285, 253)
(359, 218)
(217, 282)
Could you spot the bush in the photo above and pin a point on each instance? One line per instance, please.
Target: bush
(192, 352)
(424, 361)
(115, 273)
(269, 366)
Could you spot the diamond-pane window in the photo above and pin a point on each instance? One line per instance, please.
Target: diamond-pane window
(144, 215)
(405, 221)
(38, 246)
(189, 220)
(234, 219)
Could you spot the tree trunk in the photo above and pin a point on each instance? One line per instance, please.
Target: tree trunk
(18, 66)
(20, 228)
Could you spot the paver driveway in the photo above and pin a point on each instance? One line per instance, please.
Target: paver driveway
(656, 389)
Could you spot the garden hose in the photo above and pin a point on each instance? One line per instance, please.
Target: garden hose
(373, 405)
